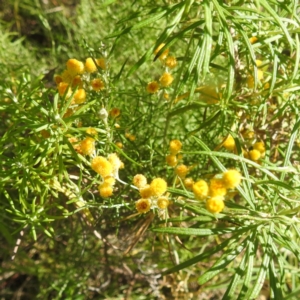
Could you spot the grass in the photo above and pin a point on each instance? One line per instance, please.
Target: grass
(233, 104)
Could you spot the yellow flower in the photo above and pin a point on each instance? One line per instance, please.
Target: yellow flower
(188, 183)
(146, 191)
(105, 189)
(101, 62)
(164, 54)
(215, 204)
(162, 202)
(143, 205)
(119, 145)
(181, 171)
(63, 88)
(217, 187)
(139, 181)
(260, 146)
(253, 39)
(229, 143)
(171, 160)
(58, 79)
(166, 79)
(97, 84)
(200, 189)
(152, 87)
(175, 146)
(77, 81)
(232, 178)
(80, 96)
(115, 112)
(87, 146)
(171, 62)
(92, 131)
(254, 155)
(102, 166)
(130, 136)
(67, 76)
(110, 180)
(75, 66)
(115, 161)
(90, 66)
(158, 186)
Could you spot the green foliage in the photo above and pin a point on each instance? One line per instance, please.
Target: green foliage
(236, 77)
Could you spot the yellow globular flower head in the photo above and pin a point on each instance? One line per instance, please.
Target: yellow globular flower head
(200, 189)
(87, 146)
(166, 79)
(63, 88)
(164, 54)
(254, 155)
(80, 96)
(119, 145)
(146, 191)
(162, 202)
(101, 62)
(143, 205)
(152, 87)
(90, 66)
(97, 84)
(115, 161)
(181, 171)
(229, 143)
(253, 39)
(77, 81)
(217, 187)
(110, 180)
(102, 166)
(188, 183)
(58, 79)
(67, 76)
(249, 134)
(175, 146)
(260, 146)
(171, 62)
(158, 186)
(139, 180)
(92, 131)
(75, 66)
(105, 189)
(171, 160)
(130, 136)
(215, 204)
(115, 112)
(232, 178)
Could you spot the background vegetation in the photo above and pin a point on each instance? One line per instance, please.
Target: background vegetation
(236, 75)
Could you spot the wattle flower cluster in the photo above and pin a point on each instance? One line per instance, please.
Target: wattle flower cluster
(108, 169)
(166, 78)
(78, 78)
(152, 195)
(215, 191)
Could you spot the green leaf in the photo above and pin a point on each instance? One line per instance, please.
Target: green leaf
(229, 255)
(241, 270)
(233, 240)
